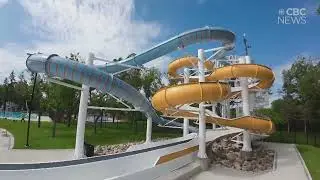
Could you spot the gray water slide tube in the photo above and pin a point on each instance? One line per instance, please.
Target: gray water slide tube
(100, 77)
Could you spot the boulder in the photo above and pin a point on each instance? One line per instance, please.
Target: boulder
(237, 165)
(229, 154)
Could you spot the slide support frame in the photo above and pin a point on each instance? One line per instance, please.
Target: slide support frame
(82, 116)
(203, 158)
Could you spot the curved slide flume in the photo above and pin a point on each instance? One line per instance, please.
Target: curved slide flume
(56, 66)
(200, 35)
(166, 99)
(263, 73)
(99, 77)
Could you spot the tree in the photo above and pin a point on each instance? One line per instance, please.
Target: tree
(310, 95)
(5, 93)
(300, 90)
(274, 113)
(318, 10)
(12, 77)
(151, 81)
(22, 91)
(11, 87)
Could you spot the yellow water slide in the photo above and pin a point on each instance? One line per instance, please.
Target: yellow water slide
(166, 99)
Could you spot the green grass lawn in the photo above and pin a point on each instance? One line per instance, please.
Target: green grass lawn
(41, 138)
(311, 156)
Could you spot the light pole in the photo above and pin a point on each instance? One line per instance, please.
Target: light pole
(30, 104)
(246, 46)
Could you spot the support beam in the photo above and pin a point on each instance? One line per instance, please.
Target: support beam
(64, 84)
(237, 111)
(149, 129)
(228, 108)
(245, 107)
(202, 124)
(118, 63)
(214, 105)
(113, 109)
(186, 74)
(223, 109)
(149, 123)
(82, 116)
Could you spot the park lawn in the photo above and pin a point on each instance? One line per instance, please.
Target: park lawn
(311, 156)
(41, 138)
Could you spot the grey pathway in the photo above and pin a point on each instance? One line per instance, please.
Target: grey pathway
(9, 155)
(288, 167)
(35, 156)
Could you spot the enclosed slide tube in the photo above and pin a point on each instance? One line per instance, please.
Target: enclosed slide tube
(100, 76)
(167, 99)
(56, 66)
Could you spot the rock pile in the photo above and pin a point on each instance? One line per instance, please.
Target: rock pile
(100, 150)
(227, 153)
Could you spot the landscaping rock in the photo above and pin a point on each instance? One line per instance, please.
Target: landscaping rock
(237, 165)
(101, 150)
(229, 154)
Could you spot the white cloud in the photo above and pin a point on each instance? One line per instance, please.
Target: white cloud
(277, 85)
(3, 3)
(278, 72)
(12, 58)
(106, 28)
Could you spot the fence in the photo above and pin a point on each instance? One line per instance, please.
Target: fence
(17, 115)
(298, 132)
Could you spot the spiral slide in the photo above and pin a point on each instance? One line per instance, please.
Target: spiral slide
(166, 99)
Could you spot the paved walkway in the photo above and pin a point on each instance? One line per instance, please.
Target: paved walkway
(35, 156)
(9, 155)
(288, 167)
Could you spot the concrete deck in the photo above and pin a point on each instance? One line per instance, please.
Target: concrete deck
(288, 167)
(35, 156)
(9, 155)
(53, 155)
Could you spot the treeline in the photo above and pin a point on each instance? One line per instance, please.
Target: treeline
(300, 97)
(61, 103)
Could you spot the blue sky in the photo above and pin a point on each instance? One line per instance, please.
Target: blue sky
(116, 28)
(272, 43)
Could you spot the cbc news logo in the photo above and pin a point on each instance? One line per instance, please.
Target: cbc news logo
(292, 16)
